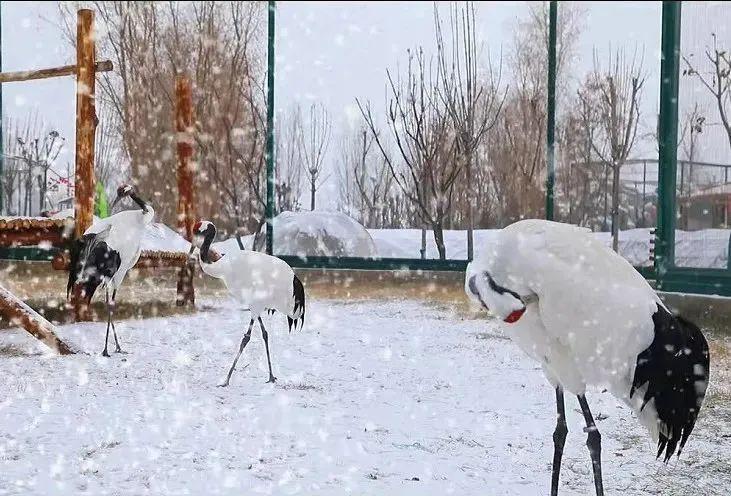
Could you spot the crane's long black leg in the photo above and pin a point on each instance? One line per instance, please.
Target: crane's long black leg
(265, 335)
(594, 442)
(559, 439)
(244, 342)
(109, 321)
(114, 331)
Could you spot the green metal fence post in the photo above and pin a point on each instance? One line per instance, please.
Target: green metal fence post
(667, 139)
(551, 111)
(270, 129)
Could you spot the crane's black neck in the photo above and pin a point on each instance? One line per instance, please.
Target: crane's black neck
(210, 235)
(139, 201)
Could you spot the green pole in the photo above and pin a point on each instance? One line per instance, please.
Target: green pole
(270, 129)
(667, 139)
(551, 111)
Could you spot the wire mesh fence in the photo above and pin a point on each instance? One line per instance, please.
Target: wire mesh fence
(703, 190)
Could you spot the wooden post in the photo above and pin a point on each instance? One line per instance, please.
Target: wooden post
(86, 121)
(18, 313)
(186, 170)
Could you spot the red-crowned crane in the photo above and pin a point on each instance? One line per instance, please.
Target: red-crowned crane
(255, 279)
(106, 252)
(590, 318)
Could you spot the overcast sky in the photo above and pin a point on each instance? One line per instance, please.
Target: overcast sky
(329, 52)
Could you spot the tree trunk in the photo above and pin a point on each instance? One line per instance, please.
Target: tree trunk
(470, 232)
(606, 188)
(312, 195)
(439, 240)
(470, 212)
(615, 207)
(423, 244)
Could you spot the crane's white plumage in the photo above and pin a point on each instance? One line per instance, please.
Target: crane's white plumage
(108, 249)
(123, 233)
(590, 318)
(573, 327)
(260, 281)
(257, 280)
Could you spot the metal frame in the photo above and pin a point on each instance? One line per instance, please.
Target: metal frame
(551, 110)
(325, 262)
(669, 276)
(272, 9)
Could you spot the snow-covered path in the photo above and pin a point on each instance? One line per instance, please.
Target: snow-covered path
(373, 398)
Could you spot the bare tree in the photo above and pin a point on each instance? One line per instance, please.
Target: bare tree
(421, 128)
(313, 147)
(288, 186)
(17, 175)
(39, 153)
(109, 161)
(516, 144)
(367, 186)
(578, 181)
(472, 104)
(217, 44)
(716, 79)
(692, 124)
(618, 92)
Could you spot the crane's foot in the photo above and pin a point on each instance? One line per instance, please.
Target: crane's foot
(121, 351)
(223, 384)
(272, 379)
(105, 353)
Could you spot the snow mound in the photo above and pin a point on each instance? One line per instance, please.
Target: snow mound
(159, 237)
(231, 244)
(327, 234)
(331, 234)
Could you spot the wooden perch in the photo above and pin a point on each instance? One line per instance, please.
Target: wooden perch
(32, 231)
(66, 70)
(148, 259)
(18, 313)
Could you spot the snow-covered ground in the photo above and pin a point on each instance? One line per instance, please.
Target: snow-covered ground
(376, 397)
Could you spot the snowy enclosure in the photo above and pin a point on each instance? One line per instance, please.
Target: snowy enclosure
(373, 398)
(335, 234)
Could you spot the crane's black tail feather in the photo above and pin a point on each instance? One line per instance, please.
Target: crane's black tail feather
(675, 369)
(91, 262)
(299, 306)
(75, 264)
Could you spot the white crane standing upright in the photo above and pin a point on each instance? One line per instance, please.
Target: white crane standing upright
(106, 252)
(255, 279)
(590, 318)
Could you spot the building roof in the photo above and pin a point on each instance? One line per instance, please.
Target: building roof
(719, 190)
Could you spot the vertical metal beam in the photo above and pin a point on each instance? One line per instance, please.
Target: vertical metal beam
(270, 129)
(668, 139)
(551, 111)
